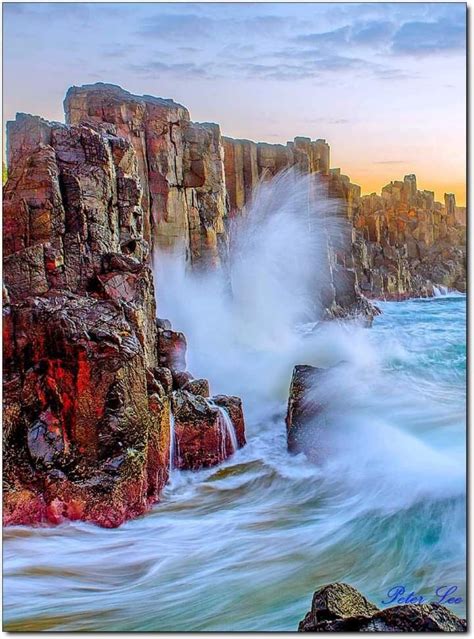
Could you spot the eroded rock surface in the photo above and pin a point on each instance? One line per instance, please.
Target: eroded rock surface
(89, 372)
(179, 163)
(407, 243)
(303, 412)
(339, 607)
(395, 245)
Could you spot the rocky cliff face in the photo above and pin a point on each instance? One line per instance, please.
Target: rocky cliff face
(397, 245)
(90, 376)
(179, 163)
(247, 162)
(406, 243)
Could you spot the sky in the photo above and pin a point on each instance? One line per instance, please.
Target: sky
(383, 83)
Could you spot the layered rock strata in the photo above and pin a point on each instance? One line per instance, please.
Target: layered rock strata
(341, 608)
(90, 376)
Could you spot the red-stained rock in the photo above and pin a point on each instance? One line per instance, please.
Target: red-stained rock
(181, 379)
(233, 406)
(79, 333)
(202, 434)
(88, 370)
(172, 349)
(197, 387)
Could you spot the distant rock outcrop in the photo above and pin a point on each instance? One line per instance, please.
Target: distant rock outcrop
(397, 245)
(407, 243)
(341, 608)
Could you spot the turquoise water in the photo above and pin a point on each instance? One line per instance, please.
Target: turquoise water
(243, 546)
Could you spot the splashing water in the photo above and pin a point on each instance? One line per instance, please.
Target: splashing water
(243, 546)
(172, 442)
(438, 291)
(228, 430)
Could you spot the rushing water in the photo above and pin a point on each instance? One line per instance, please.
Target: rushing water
(243, 546)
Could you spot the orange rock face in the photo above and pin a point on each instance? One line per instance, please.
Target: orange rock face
(407, 243)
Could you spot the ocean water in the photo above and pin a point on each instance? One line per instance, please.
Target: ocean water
(244, 546)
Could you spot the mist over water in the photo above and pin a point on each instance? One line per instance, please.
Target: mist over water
(244, 545)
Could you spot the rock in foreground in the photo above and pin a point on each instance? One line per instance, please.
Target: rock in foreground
(341, 608)
(305, 412)
(88, 371)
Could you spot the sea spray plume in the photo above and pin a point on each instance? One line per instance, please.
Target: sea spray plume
(279, 251)
(240, 323)
(359, 435)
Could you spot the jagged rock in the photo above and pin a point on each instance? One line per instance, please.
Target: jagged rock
(202, 435)
(181, 379)
(341, 608)
(407, 242)
(304, 412)
(233, 406)
(179, 164)
(197, 387)
(165, 377)
(397, 245)
(172, 349)
(87, 369)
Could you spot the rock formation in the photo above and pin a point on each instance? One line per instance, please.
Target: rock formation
(341, 608)
(303, 412)
(396, 245)
(90, 375)
(179, 163)
(406, 243)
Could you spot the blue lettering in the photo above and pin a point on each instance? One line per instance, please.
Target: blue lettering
(443, 593)
(394, 593)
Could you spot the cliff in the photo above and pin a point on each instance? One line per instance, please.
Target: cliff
(90, 376)
(179, 163)
(407, 243)
(398, 244)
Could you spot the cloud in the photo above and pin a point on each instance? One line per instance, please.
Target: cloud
(180, 26)
(178, 69)
(191, 26)
(374, 32)
(335, 37)
(442, 29)
(426, 38)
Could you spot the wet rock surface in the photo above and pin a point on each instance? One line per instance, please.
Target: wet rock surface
(339, 607)
(88, 370)
(90, 374)
(303, 411)
(207, 431)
